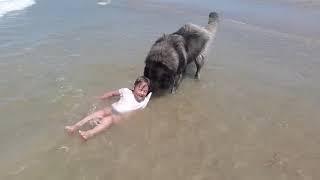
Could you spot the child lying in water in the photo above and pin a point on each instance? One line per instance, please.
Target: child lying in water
(130, 100)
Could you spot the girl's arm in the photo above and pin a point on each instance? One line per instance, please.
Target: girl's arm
(110, 94)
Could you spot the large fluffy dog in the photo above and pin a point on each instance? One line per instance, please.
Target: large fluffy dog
(170, 54)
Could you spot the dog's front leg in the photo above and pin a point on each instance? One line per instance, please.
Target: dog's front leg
(176, 82)
(173, 86)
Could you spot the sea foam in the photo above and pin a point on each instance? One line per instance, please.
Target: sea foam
(14, 5)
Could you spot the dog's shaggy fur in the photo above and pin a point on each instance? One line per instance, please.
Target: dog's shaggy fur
(170, 54)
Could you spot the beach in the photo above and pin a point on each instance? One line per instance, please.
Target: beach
(254, 114)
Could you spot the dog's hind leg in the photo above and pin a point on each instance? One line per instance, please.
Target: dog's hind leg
(201, 58)
(210, 30)
(199, 61)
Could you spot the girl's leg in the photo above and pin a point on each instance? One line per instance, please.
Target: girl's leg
(105, 123)
(98, 114)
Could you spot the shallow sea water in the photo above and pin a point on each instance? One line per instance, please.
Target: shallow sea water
(253, 115)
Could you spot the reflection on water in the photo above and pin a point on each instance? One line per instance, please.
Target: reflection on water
(253, 115)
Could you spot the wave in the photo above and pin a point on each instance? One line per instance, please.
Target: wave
(14, 5)
(103, 3)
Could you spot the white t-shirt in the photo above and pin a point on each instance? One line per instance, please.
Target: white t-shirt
(128, 102)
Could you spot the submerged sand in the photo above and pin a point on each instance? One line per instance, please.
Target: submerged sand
(253, 115)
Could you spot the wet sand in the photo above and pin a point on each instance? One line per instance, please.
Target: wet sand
(253, 115)
(303, 3)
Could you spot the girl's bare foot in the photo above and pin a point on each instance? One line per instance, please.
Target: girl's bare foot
(70, 129)
(84, 135)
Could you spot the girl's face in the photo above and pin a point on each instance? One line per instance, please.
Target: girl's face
(141, 90)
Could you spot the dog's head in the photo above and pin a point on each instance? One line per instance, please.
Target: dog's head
(162, 64)
(162, 78)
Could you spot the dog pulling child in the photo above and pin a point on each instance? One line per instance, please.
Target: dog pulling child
(130, 100)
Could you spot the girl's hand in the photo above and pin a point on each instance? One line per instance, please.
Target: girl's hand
(109, 94)
(102, 97)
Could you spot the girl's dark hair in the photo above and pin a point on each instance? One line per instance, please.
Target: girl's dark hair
(143, 79)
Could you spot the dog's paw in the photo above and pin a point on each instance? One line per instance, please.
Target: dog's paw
(173, 90)
(197, 77)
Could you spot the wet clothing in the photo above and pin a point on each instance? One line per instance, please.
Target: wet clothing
(128, 102)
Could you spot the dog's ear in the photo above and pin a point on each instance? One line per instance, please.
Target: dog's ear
(161, 38)
(164, 36)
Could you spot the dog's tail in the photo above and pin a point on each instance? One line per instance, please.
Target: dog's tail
(212, 22)
(213, 17)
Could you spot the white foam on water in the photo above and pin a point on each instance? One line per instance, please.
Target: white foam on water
(14, 5)
(103, 3)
